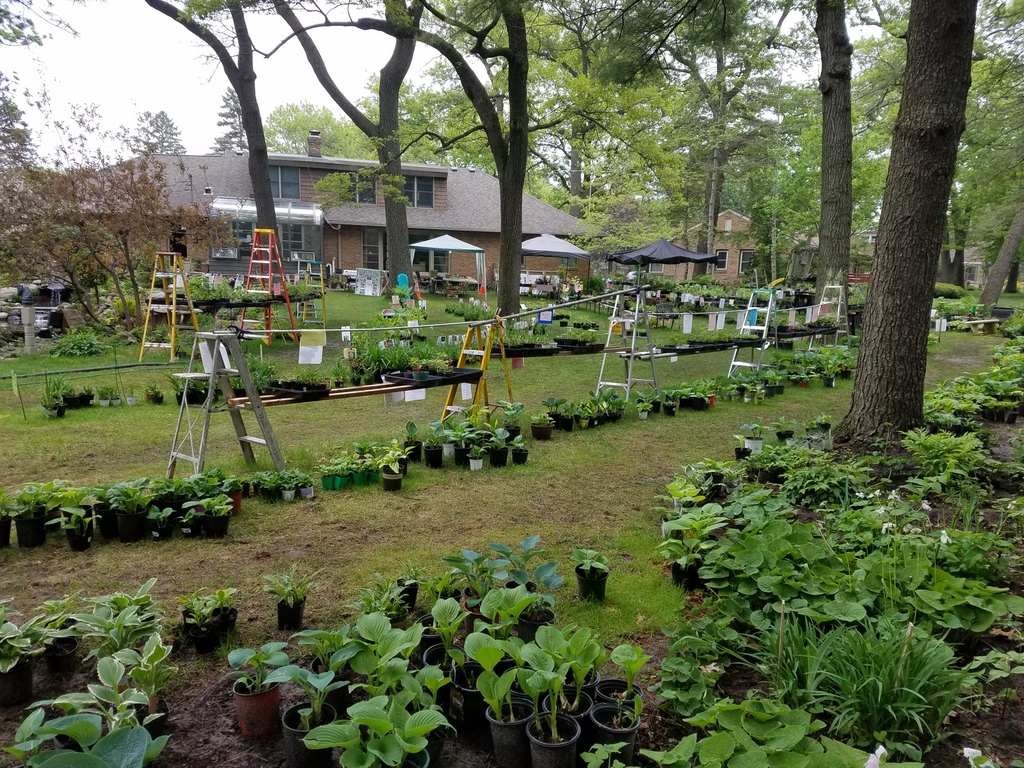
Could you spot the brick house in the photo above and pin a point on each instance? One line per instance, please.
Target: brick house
(734, 251)
(457, 201)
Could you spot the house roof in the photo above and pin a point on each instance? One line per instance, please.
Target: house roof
(473, 196)
(473, 206)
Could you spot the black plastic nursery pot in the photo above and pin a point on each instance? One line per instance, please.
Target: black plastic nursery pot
(511, 745)
(391, 481)
(547, 753)
(216, 526)
(669, 409)
(498, 457)
(410, 591)
(130, 528)
(519, 457)
(161, 532)
(591, 586)
(31, 531)
(461, 456)
(79, 542)
(612, 724)
(613, 691)
(61, 657)
(16, 685)
(565, 422)
(192, 530)
(656, 406)
(290, 616)
(433, 456)
(527, 628)
(473, 707)
(416, 453)
(542, 431)
(581, 714)
(205, 639)
(107, 522)
(5, 532)
(296, 753)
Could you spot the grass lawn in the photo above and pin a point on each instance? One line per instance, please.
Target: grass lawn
(594, 489)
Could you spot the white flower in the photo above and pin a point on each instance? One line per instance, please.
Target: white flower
(926, 507)
(894, 496)
(875, 760)
(861, 495)
(972, 754)
(880, 511)
(886, 527)
(944, 538)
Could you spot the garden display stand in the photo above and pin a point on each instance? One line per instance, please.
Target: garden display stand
(476, 345)
(169, 269)
(834, 296)
(220, 357)
(309, 311)
(266, 277)
(757, 319)
(640, 345)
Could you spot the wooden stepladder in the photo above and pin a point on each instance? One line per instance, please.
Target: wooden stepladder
(477, 344)
(169, 269)
(266, 279)
(216, 358)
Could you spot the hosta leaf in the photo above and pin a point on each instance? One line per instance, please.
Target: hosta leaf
(717, 748)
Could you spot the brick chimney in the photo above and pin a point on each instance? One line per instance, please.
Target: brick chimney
(315, 144)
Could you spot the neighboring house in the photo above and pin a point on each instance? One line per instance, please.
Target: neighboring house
(457, 201)
(733, 246)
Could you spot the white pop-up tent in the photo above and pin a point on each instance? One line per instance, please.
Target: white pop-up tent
(449, 243)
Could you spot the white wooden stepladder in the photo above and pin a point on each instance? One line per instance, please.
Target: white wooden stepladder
(834, 296)
(640, 346)
(757, 318)
(220, 357)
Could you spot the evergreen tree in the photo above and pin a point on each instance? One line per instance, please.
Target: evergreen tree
(230, 120)
(156, 134)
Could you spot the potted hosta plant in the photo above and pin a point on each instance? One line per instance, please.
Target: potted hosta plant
(150, 671)
(784, 428)
(17, 645)
(476, 457)
(643, 408)
(299, 719)
(291, 591)
(258, 701)
(542, 426)
(216, 515)
(591, 573)
(161, 522)
(154, 394)
(412, 442)
(390, 463)
(34, 505)
(131, 500)
(498, 447)
(753, 436)
(630, 659)
(203, 631)
(519, 451)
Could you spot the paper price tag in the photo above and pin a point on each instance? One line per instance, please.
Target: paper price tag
(674, 359)
(346, 333)
(467, 391)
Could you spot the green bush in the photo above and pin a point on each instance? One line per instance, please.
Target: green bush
(949, 291)
(78, 342)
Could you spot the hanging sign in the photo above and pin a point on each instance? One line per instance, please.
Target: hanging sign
(545, 317)
(687, 323)
(368, 282)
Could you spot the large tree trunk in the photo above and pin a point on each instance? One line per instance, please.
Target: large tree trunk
(1013, 277)
(389, 153)
(1000, 268)
(836, 223)
(888, 393)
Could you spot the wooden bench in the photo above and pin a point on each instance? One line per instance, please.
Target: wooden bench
(987, 326)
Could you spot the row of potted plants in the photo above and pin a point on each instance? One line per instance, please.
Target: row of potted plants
(59, 395)
(128, 511)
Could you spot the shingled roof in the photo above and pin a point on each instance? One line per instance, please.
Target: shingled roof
(473, 196)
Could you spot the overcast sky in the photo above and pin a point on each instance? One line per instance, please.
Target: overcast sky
(128, 59)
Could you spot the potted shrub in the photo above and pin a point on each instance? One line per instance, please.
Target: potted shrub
(203, 631)
(498, 447)
(380, 726)
(643, 408)
(591, 573)
(412, 443)
(153, 394)
(753, 436)
(257, 701)
(216, 515)
(76, 520)
(390, 463)
(149, 669)
(130, 501)
(476, 457)
(161, 522)
(17, 645)
(519, 450)
(298, 720)
(34, 505)
(291, 591)
(542, 426)
(630, 659)
(784, 428)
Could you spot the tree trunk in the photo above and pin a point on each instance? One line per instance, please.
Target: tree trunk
(836, 224)
(575, 173)
(389, 154)
(888, 393)
(1014, 277)
(960, 220)
(1000, 268)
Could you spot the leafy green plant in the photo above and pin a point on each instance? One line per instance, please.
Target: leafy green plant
(592, 563)
(255, 665)
(316, 686)
(289, 587)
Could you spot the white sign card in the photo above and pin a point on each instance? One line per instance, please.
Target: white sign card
(415, 394)
(674, 359)
(467, 391)
(721, 303)
(368, 282)
(687, 323)
(346, 333)
(311, 355)
(712, 322)
(394, 397)
(423, 303)
(546, 317)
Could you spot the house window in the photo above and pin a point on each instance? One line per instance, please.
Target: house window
(430, 261)
(242, 232)
(291, 239)
(373, 248)
(284, 182)
(721, 260)
(745, 259)
(419, 191)
(971, 273)
(871, 239)
(364, 189)
(656, 269)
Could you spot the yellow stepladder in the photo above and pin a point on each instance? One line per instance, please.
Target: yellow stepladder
(480, 345)
(169, 269)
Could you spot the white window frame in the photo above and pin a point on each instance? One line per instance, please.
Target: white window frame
(656, 269)
(718, 253)
(379, 234)
(750, 258)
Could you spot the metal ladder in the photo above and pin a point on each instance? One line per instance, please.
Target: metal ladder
(757, 319)
(640, 347)
(309, 311)
(477, 345)
(266, 278)
(220, 358)
(835, 295)
(170, 271)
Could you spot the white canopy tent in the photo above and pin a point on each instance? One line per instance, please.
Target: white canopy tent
(449, 243)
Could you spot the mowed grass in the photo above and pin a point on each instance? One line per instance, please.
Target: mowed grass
(594, 489)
